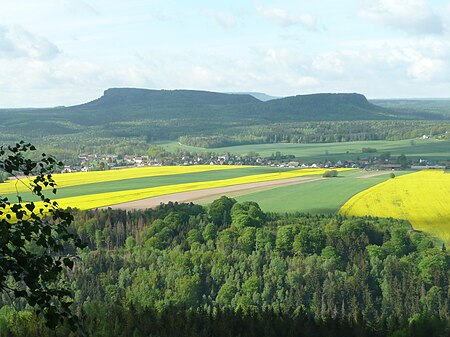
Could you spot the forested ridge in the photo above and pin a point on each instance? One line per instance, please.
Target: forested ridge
(230, 270)
(434, 106)
(156, 115)
(127, 104)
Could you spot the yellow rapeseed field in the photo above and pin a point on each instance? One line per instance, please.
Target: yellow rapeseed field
(423, 198)
(82, 178)
(106, 199)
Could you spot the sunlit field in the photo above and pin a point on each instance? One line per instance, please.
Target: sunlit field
(83, 178)
(96, 200)
(423, 198)
(322, 196)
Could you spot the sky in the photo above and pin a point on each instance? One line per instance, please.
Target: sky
(66, 52)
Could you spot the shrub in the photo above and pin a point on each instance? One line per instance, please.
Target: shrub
(330, 174)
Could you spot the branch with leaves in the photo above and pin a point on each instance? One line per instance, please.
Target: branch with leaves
(34, 239)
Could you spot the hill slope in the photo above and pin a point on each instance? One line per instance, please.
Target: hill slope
(428, 107)
(167, 114)
(127, 104)
(317, 107)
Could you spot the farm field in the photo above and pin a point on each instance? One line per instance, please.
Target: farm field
(89, 181)
(319, 196)
(116, 192)
(423, 148)
(83, 178)
(210, 194)
(423, 198)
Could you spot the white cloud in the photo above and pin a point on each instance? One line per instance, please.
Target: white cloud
(222, 19)
(277, 71)
(386, 68)
(18, 42)
(329, 63)
(425, 69)
(79, 6)
(62, 81)
(411, 16)
(284, 18)
(306, 82)
(421, 66)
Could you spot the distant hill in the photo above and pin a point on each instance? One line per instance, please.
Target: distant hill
(127, 104)
(318, 107)
(165, 98)
(141, 103)
(167, 114)
(428, 107)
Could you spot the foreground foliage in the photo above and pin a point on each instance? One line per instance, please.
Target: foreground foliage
(32, 241)
(183, 267)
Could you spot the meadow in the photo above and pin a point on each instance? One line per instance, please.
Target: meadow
(431, 149)
(422, 198)
(316, 197)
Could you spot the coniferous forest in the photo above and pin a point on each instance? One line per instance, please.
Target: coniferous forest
(231, 270)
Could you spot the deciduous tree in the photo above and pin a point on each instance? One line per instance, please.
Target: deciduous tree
(33, 238)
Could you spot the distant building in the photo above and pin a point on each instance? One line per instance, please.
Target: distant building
(389, 166)
(428, 167)
(66, 169)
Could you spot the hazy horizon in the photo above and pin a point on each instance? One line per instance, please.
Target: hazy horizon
(253, 93)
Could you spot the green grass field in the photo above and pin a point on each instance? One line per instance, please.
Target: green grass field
(423, 148)
(322, 196)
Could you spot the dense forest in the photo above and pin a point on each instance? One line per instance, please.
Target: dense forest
(231, 270)
(320, 132)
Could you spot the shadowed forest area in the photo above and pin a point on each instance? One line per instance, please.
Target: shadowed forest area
(231, 270)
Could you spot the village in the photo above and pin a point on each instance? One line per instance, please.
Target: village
(99, 162)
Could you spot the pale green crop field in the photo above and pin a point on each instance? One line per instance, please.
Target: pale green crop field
(423, 148)
(319, 196)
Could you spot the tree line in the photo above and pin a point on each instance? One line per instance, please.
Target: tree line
(316, 132)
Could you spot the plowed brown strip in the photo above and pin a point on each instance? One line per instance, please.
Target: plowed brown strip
(210, 193)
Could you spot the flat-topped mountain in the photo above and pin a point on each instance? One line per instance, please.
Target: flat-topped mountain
(324, 107)
(122, 104)
(166, 98)
(168, 114)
